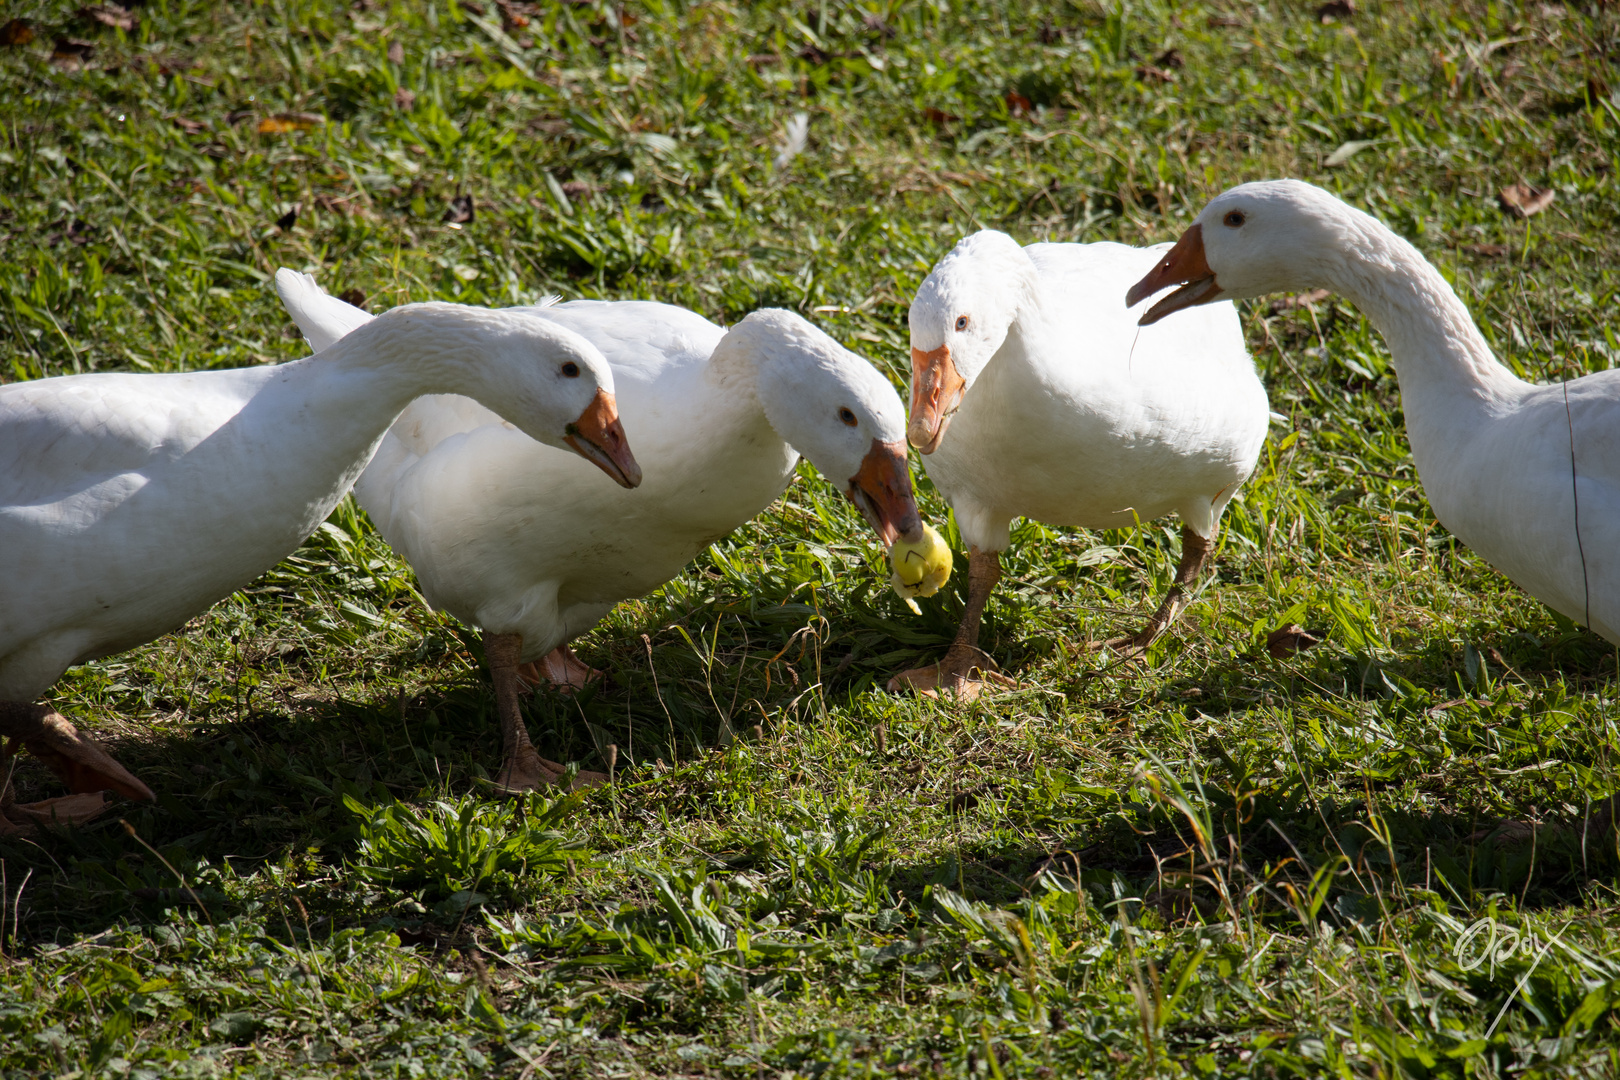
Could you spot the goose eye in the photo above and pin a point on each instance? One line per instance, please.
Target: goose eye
(847, 417)
(571, 370)
(1234, 219)
(961, 323)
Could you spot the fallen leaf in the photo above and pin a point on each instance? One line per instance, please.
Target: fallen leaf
(1348, 151)
(1302, 300)
(876, 25)
(514, 16)
(1149, 74)
(761, 59)
(938, 116)
(396, 53)
(190, 127)
(1222, 20)
(1335, 9)
(1018, 104)
(67, 51)
(357, 297)
(1489, 251)
(1292, 639)
(964, 801)
(460, 211)
(1170, 59)
(119, 18)
(404, 100)
(1521, 200)
(577, 189)
(16, 32)
(334, 204)
(284, 122)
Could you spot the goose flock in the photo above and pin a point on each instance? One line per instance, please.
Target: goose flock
(476, 439)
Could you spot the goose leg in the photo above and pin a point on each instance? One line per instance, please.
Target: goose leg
(1195, 551)
(523, 769)
(87, 769)
(562, 668)
(966, 669)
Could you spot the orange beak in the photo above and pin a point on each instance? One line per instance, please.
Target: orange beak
(882, 489)
(1182, 265)
(598, 437)
(936, 392)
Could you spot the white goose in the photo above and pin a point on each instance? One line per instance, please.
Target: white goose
(1061, 410)
(1502, 460)
(129, 503)
(508, 536)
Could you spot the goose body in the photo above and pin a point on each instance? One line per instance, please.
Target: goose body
(1032, 397)
(1510, 467)
(511, 537)
(130, 503)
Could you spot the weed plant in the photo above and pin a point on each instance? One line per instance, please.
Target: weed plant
(1391, 855)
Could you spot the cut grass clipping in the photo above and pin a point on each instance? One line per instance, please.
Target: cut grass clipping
(1390, 854)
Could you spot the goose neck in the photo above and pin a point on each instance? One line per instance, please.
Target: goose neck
(1440, 354)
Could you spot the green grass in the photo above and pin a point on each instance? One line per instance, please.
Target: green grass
(1393, 855)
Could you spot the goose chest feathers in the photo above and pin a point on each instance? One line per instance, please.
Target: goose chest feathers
(1035, 394)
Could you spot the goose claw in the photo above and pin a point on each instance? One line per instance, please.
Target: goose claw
(525, 771)
(75, 757)
(965, 671)
(21, 819)
(560, 667)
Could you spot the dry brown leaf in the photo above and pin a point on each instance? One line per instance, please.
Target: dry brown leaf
(16, 32)
(460, 210)
(404, 100)
(284, 122)
(1489, 251)
(1292, 639)
(1521, 200)
(396, 53)
(1018, 104)
(119, 18)
(66, 51)
(189, 126)
(1149, 74)
(1302, 300)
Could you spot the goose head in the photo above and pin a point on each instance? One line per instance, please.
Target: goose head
(549, 381)
(1254, 239)
(837, 410)
(959, 319)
